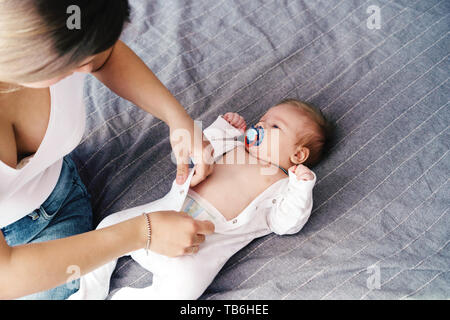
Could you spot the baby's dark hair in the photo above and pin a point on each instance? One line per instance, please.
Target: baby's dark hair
(318, 139)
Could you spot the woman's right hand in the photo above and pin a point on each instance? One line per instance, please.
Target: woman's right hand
(176, 233)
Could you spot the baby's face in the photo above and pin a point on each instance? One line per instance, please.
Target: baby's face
(282, 125)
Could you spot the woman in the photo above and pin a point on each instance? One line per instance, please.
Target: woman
(45, 214)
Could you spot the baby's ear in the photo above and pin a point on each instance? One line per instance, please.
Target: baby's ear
(300, 155)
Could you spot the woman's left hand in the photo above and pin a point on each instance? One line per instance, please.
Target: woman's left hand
(186, 145)
(129, 77)
(204, 162)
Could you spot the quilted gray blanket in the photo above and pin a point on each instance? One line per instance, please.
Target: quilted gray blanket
(379, 69)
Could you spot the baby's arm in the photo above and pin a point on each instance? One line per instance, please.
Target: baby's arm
(293, 206)
(221, 133)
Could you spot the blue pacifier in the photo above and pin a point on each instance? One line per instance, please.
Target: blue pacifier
(254, 136)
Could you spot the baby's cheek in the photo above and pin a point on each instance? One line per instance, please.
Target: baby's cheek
(269, 148)
(273, 144)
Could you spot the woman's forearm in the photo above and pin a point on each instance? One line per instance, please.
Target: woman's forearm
(21, 267)
(128, 76)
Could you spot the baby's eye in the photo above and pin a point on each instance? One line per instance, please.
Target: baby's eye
(275, 126)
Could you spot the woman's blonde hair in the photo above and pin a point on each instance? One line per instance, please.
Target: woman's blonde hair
(36, 44)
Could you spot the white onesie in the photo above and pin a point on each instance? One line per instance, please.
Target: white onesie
(283, 208)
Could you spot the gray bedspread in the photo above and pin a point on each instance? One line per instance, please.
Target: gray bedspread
(380, 223)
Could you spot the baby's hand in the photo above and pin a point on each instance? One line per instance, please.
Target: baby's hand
(235, 120)
(302, 172)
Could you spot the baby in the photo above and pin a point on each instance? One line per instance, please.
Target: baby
(260, 185)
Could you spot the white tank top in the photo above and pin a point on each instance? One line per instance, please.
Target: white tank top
(24, 189)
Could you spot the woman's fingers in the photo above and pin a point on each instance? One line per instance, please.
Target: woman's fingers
(181, 151)
(198, 239)
(197, 236)
(201, 172)
(173, 233)
(182, 172)
(203, 157)
(191, 250)
(204, 227)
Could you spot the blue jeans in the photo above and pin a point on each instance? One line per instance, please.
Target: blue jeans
(66, 212)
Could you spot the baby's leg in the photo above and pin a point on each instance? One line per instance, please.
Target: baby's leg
(163, 288)
(95, 284)
(187, 282)
(181, 278)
